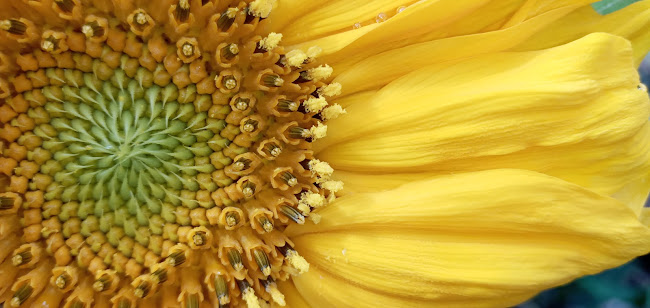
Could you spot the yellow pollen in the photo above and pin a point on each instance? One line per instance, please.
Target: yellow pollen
(330, 90)
(251, 300)
(47, 45)
(333, 186)
(313, 199)
(315, 104)
(304, 208)
(5, 25)
(320, 73)
(320, 168)
(315, 218)
(140, 18)
(297, 261)
(261, 8)
(87, 30)
(271, 41)
(184, 4)
(276, 295)
(98, 286)
(296, 57)
(318, 131)
(232, 12)
(314, 52)
(188, 50)
(332, 112)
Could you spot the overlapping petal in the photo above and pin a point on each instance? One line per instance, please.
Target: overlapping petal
(489, 238)
(574, 112)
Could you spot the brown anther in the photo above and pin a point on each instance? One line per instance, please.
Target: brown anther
(266, 224)
(159, 276)
(242, 104)
(272, 80)
(286, 105)
(303, 77)
(229, 51)
(13, 26)
(199, 239)
(270, 149)
(221, 289)
(176, 258)
(235, 259)
(103, 283)
(226, 19)
(65, 5)
(248, 189)
(232, 219)
(262, 261)
(183, 10)
(229, 82)
(21, 258)
(142, 290)
(249, 126)
(6, 203)
(292, 213)
(298, 132)
(124, 303)
(21, 295)
(62, 281)
(289, 178)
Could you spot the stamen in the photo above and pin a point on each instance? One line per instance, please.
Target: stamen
(21, 295)
(192, 301)
(142, 290)
(124, 303)
(249, 126)
(199, 239)
(229, 51)
(330, 90)
(176, 258)
(103, 283)
(312, 199)
(159, 276)
(13, 26)
(260, 8)
(221, 288)
(271, 287)
(286, 105)
(262, 261)
(272, 80)
(232, 219)
(229, 82)
(314, 104)
(289, 178)
(235, 259)
(183, 10)
(242, 164)
(294, 259)
(6, 203)
(332, 112)
(266, 224)
(93, 29)
(22, 257)
(65, 5)
(188, 50)
(248, 189)
(298, 132)
(292, 213)
(226, 20)
(269, 43)
(62, 281)
(296, 57)
(248, 294)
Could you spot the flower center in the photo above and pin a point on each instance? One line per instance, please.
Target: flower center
(155, 158)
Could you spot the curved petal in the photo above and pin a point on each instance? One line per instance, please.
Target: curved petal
(573, 111)
(631, 22)
(489, 238)
(292, 297)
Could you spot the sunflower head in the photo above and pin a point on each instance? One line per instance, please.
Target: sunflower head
(153, 154)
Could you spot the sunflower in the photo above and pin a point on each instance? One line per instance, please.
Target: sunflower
(193, 153)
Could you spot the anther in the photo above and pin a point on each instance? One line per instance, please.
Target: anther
(294, 259)
(242, 104)
(49, 44)
(13, 26)
(92, 29)
(289, 178)
(187, 50)
(124, 303)
(183, 10)
(298, 132)
(176, 258)
(266, 224)
(229, 51)
(76, 304)
(140, 18)
(65, 5)
(159, 276)
(232, 219)
(248, 189)
(273, 150)
(192, 301)
(62, 281)
(21, 258)
(229, 82)
(6, 203)
(142, 290)
(272, 288)
(248, 294)
(221, 288)
(242, 164)
(234, 257)
(227, 19)
(268, 43)
(249, 126)
(262, 261)
(103, 283)
(21, 295)
(272, 80)
(199, 238)
(286, 105)
(292, 213)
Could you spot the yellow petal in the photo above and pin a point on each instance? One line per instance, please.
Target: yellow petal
(293, 298)
(631, 22)
(489, 238)
(573, 111)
